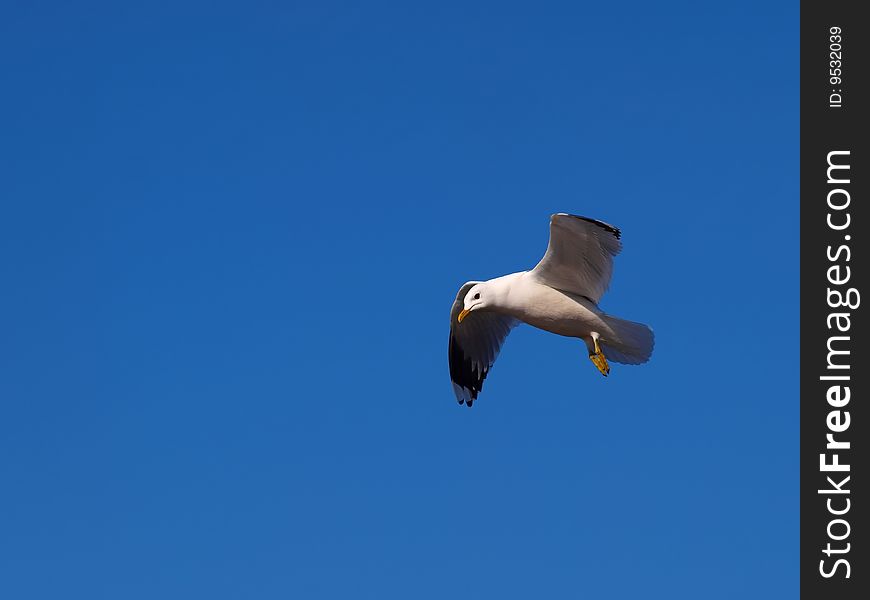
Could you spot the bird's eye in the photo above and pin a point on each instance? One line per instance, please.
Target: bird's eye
(477, 296)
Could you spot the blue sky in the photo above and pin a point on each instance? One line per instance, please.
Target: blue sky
(230, 235)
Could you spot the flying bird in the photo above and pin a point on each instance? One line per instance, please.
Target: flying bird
(559, 295)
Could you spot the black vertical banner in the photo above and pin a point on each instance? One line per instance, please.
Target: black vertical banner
(835, 371)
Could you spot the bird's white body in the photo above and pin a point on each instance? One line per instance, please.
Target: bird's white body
(563, 313)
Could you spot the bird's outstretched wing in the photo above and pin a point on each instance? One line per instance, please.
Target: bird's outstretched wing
(579, 258)
(474, 346)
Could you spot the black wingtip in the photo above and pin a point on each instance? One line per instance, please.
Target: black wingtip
(606, 226)
(464, 374)
(467, 401)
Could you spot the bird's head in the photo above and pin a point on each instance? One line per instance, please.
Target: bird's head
(475, 299)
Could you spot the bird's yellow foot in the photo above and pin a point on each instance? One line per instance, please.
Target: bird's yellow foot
(598, 359)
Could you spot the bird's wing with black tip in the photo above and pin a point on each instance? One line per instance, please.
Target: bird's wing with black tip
(579, 257)
(474, 346)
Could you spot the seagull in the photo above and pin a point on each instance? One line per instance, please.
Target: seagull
(559, 295)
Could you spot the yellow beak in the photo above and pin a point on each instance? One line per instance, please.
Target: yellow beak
(462, 314)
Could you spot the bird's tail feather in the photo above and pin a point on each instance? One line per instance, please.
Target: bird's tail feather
(631, 343)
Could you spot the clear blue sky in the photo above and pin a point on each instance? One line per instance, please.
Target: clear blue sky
(230, 235)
